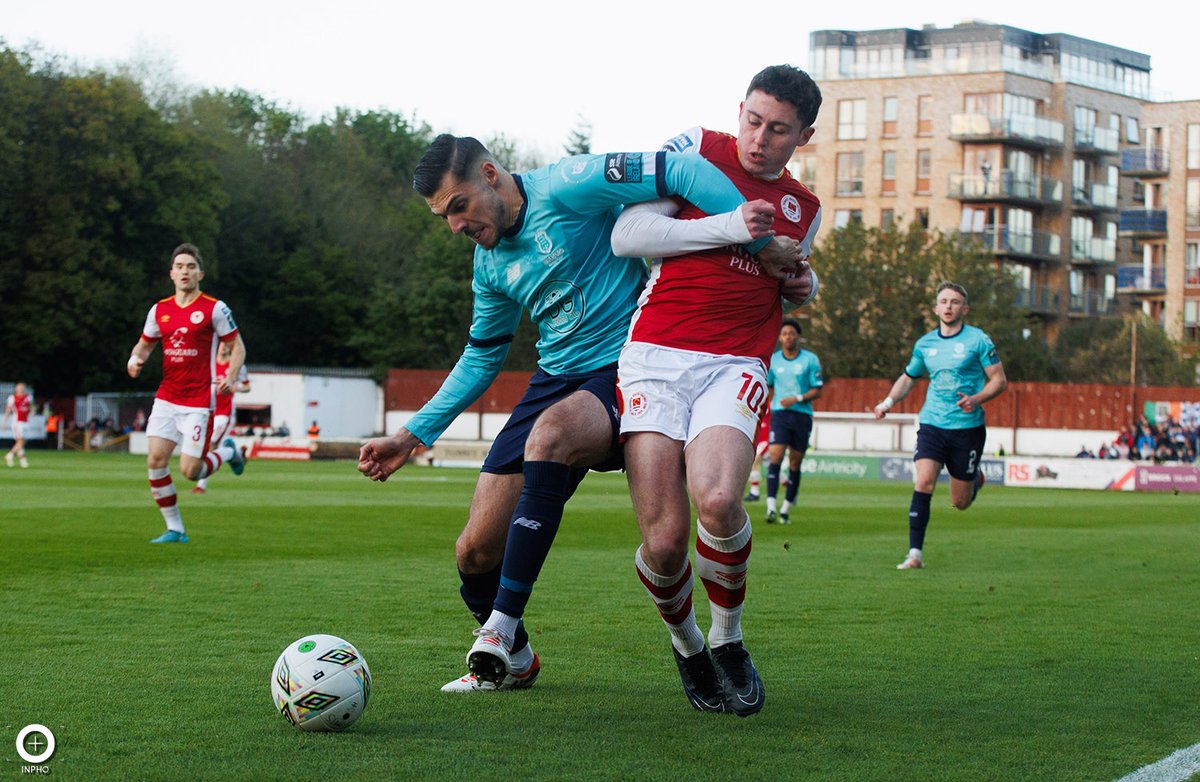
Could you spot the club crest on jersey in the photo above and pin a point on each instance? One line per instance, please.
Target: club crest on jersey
(197, 317)
(544, 244)
(791, 207)
(622, 167)
(638, 404)
(560, 306)
(959, 348)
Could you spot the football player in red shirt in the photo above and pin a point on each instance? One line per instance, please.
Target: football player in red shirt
(18, 405)
(189, 324)
(225, 414)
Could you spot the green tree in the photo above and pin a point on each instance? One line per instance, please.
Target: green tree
(579, 140)
(1101, 350)
(877, 293)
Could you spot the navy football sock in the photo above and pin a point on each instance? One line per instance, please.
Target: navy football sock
(793, 486)
(531, 533)
(773, 479)
(918, 519)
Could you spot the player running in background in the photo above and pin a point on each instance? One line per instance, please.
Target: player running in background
(693, 380)
(225, 414)
(189, 324)
(964, 372)
(794, 381)
(543, 244)
(18, 406)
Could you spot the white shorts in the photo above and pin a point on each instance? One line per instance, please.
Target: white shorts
(220, 429)
(18, 429)
(181, 425)
(680, 393)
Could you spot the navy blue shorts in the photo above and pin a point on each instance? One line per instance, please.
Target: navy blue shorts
(958, 449)
(507, 455)
(791, 428)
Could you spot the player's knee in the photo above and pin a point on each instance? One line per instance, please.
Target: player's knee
(474, 556)
(192, 471)
(962, 503)
(715, 502)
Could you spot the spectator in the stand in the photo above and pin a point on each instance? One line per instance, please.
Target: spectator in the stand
(1084, 453)
(1144, 445)
(1103, 453)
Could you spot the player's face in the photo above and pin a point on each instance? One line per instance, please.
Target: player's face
(472, 207)
(768, 133)
(950, 308)
(19, 390)
(789, 338)
(186, 273)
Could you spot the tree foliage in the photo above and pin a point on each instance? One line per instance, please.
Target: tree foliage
(877, 293)
(1102, 351)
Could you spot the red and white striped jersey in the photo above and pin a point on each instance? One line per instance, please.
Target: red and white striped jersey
(189, 336)
(721, 301)
(20, 405)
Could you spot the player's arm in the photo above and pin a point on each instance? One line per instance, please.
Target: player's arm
(139, 354)
(649, 230)
(493, 327)
(592, 183)
(997, 381)
(237, 359)
(900, 389)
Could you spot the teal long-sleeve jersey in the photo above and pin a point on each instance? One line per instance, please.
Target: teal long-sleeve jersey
(557, 262)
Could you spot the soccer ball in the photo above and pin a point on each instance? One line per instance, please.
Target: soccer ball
(321, 682)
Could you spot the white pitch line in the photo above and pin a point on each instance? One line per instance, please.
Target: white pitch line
(1175, 767)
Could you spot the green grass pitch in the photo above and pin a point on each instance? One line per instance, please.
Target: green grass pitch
(1054, 635)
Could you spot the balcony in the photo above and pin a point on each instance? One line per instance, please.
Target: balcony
(1143, 223)
(1035, 245)
(1144, 162)
(1094, 197)
(1097, 141)
(1006, 187)
(1135, 279)
(1091, 304)
(1018, 129)
(1094, 249)
(1038, 299)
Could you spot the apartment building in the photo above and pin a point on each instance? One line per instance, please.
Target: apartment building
(1047, 148)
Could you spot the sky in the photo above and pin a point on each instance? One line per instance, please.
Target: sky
(636, 72)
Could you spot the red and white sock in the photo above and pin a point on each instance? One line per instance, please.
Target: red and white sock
(214, 459)
(162, 488)
(721, 564)
(672, 595)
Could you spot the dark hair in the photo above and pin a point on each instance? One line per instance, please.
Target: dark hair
(456, 155)
(789, 83)
(794, 324)
(188, 249)
(953, 286)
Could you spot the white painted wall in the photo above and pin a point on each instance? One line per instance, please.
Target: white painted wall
(344, 407)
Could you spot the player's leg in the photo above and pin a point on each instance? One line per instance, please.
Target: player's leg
(966, 474)
(162, 487)
(718, 451)
(932, 452)
(19, 446)
(657, 487)
(797, 446)
(566, 437)
(196, 461)
(774, 464)
(220, 429)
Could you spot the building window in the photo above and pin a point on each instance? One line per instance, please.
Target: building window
(850, 173)
(852, 119)
(1192, 203)
(889, 172)
(891, 112)
(924, 164)
(1191, 268)
(804, 169)
(925, 115)
(843, 217)
(886, 218)
(1132, 135)
(1193, 146)
(922, 217)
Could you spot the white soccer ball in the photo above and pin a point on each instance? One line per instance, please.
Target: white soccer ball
(321, 682)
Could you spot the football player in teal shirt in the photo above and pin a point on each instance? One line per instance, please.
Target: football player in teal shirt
(964, 372)
(543, 244)
(794, 381)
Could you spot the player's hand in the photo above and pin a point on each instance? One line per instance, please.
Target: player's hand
(134, 367)
(759, 216)
(225, 387)
(966, 403)
(382, 456)
(781, 257)
(798, 288)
